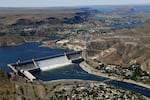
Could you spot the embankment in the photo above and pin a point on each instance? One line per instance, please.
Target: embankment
(91, 70)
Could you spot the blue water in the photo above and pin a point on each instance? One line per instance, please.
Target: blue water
(54, 38)
(26, 51)
(132, 87)
(112, 9)
(122, 25)
(67, 72)
(139, 10)
(104, 9)
(126, 25)
(33, 50)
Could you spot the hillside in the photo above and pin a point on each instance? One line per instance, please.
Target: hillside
(17, 88)
(38, 24)
(6, 87)
(124, 49)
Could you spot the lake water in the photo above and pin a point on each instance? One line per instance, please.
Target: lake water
(54, 38)
(26, 51)
(140, 10)
(110, 9)
(33, 50)
(126, 25)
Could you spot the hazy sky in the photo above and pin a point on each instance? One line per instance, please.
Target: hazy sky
(53, 3)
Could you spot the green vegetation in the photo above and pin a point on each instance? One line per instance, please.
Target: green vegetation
(132, 72)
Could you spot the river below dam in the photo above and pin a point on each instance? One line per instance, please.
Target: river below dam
(33, 50)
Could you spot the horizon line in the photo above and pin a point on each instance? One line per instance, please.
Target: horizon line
(73, 6)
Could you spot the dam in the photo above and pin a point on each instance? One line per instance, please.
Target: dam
(53, 63)
(45, 63)
(68, 72)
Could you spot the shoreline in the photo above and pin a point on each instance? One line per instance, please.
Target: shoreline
(93, 71)
(41, 45)
(18, 44)
(13, 45)
(67, 80)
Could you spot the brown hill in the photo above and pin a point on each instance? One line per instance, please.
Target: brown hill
(6, 88)
(124, 54)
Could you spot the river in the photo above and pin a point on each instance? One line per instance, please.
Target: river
(34, 50)
(126, 25)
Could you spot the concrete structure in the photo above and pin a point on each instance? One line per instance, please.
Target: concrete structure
(28, 75)
(12, 68)
(45, 63)
(53, 63)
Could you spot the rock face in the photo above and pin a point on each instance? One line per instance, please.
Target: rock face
(74, 20)
(50, 20)
(53, 20)
(146, 65)
(4, 75)
(23, 22)
(77, 18)
(6, 88)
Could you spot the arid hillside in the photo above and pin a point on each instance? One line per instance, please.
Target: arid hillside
(34, 24)
(124, 49)
(17, 88)
(6, 87)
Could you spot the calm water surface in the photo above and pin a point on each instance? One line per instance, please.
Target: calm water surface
(26, 51)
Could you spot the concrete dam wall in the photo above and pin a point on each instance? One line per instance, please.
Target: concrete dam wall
(45, 63)
(53, 63)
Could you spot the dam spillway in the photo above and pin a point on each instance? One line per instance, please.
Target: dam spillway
(53, 63)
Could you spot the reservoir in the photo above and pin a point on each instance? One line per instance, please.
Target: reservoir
(23, 52)
(126, 25)
(33, 50)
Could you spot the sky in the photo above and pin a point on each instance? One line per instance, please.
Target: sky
(63, 3)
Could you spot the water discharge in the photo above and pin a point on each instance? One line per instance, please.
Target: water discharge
(53, 63)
